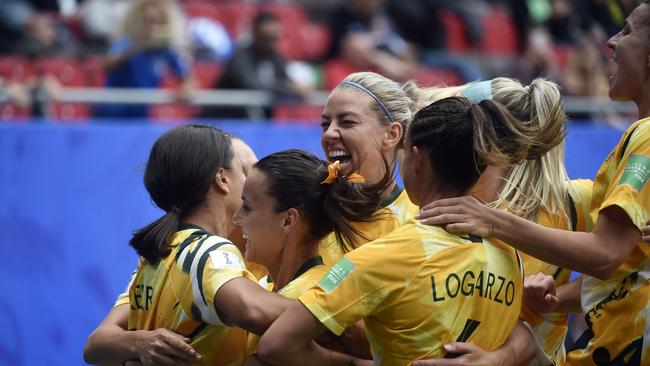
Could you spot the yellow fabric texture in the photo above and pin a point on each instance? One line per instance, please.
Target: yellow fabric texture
(419, 288)
(292, 290)
(178, 293)
(394, 213)
(616, 310)
(551, 328)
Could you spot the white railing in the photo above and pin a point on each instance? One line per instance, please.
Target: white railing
(257, 99)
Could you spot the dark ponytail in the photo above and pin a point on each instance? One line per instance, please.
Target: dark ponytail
(462, 138)
(180, 169)
(295, 180)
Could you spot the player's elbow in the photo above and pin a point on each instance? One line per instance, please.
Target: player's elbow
(271, 349)
(254, 319)
(605, 266)
(89, 354)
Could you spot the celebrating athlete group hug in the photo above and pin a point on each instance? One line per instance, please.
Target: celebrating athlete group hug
(294, 260)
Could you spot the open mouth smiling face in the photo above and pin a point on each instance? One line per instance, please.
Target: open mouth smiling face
(352, 133)
(628, 65)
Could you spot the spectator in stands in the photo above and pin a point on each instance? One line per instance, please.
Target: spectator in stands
(586, 75)
(151, 42)
(15, 93)
(607, 15)
(98, 19)
(537, 60)
(564, 23)
(419, 20)
(258, 66)
(27, 27)
(209, 39)
(364, 37)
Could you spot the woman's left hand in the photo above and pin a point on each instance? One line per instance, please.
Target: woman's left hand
(540, 293)
(468, 355)
(460, 214)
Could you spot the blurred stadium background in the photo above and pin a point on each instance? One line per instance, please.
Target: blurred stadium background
(87, 86)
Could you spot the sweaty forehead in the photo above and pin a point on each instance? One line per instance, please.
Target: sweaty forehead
(348, 100)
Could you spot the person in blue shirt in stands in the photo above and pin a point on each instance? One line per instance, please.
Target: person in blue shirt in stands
(150, 45)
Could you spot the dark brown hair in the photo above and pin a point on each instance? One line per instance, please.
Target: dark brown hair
(462, 138)
(181, 166)
(294, 180)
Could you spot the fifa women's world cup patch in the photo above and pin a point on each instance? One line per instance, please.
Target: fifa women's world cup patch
(337, 274)
(223, 258)
(636, 172)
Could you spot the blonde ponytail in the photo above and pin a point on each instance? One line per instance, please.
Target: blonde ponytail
(540, 183)
(532, 184)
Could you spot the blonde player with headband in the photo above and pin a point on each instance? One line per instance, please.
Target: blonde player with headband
(363, 123)
(537, 190)
(400, 284)
(613, 257)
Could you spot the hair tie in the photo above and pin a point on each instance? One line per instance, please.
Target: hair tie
(367, 91)
(333, 171)
(175, 210)
(477, 92)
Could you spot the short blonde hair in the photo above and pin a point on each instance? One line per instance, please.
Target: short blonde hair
(174, 33)
(392, 96)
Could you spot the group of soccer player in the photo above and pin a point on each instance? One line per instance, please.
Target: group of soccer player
(294, 260)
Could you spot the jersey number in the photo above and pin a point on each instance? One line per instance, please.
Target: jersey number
(468, 330)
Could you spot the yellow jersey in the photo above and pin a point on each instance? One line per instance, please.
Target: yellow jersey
(616, 310)
(551, 328)
(178, 293)
(394, 212)
(257, 270)
(307, 275)
(419, 288)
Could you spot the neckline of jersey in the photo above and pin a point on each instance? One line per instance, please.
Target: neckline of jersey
(397, 190)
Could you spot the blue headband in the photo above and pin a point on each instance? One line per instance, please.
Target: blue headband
(478, 92)
(365, 90)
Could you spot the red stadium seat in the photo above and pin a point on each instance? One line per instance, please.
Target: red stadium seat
(170, 81)
(456, 39)
(315, 39)
(294, 23)
(290, 46)
(12, 112)
(206, 74)
(287, 14)
(302, 113)
(71, 112)
(205, 9)
(499, 33)
(335, 71)
(561, 55)
(171, 112)
(300, 40)
(238, 17)
(94, 72)
(15, 68)
(304, 41)
(67, 71)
